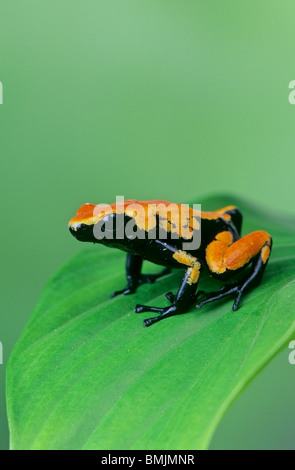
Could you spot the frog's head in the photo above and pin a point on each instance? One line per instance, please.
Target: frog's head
(92, 220)
(101, 223)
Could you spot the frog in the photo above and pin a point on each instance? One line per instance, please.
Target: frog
(222, 250)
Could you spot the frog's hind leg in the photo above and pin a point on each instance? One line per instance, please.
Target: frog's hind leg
(225, 259)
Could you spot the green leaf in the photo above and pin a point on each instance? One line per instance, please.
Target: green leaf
(86, 374)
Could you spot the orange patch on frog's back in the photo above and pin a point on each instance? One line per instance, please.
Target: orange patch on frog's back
(144, 214)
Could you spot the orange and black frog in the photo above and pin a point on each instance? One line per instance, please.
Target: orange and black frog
(155, 231)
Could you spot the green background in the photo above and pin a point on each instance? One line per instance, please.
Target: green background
(147, 99)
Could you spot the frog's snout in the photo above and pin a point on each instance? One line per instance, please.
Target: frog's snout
(82, 232)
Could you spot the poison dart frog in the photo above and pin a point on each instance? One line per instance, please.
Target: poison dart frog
(222, 250)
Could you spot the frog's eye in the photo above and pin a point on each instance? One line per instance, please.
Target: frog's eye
(110, 227)
(112, 222)
(108, 223)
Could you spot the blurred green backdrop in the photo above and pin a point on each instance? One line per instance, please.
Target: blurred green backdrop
(151, 99)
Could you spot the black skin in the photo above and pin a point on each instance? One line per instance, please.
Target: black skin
(162, 252)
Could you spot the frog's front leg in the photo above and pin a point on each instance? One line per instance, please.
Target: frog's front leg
(186, 294)
(134, 276)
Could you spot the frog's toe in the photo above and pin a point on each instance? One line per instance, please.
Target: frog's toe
(127, 291)
(163, 312)
(150, 321)
(147, 308)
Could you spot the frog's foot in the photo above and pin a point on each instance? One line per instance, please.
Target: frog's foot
(175, 308)
(236, 289)
(130, 289)
(143, 279)
(164, 312)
